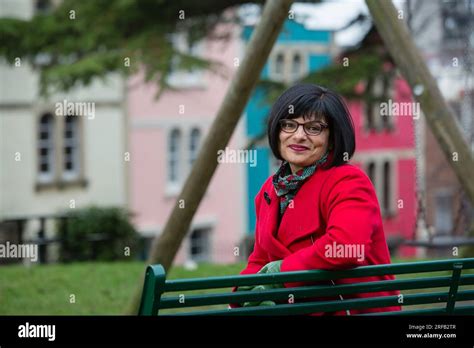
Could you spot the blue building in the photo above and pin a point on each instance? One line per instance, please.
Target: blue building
(297, 52)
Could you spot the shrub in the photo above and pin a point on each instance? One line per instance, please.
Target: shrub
(95, 233)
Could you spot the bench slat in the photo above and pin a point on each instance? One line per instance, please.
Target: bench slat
(332, 306)
(316, 275)
(309, 291)
(430, 311)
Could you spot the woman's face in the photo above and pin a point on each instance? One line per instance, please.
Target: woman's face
(301, 149)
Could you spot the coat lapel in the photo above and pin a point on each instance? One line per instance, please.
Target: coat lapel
(269, 225)
(304, 219)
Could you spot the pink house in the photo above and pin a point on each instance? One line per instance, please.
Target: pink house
(386, 152)
(165, 137)
(386, 145)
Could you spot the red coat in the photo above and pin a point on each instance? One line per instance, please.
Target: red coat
(334, 207)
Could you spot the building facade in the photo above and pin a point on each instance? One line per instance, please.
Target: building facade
(166, 135)
(443, 32)
(63, 152)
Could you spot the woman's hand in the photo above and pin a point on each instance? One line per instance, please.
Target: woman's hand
(271, 267)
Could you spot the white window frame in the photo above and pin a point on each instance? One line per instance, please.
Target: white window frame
(296, 74)
(74, 143)
(288, 53)
(443, 193)
(374, 173)
(387, 205)
(195, 137)
(377, 91)
(274, 73)
(47, 177)
(175, 139)
(183, 154)
(379, 183)
(207, 244)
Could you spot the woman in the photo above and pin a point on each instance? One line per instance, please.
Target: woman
(316, 204)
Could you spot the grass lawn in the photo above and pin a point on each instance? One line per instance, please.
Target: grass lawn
(97, 288)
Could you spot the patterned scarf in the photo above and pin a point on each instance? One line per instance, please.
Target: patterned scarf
(287, 184)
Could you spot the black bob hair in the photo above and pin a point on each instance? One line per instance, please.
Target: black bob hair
(313, 101)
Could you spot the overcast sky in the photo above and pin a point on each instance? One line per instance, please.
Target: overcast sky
(327, 15)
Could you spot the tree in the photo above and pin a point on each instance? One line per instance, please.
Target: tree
(78, 41)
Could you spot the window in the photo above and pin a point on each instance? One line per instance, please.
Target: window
(371, 172)
(378, 92)
(369, 113)
(288, 64)
(46, 148)
(380, 172)
(71, 148)
(183, 144)
(369, 106)
(387, 91)
(173, 153)
(199, 249)
(381, 90)
(59, 152)
(296, 66)
(194, 145)
(386, 124)
(443, 213)
(386, 196)
(279, 64)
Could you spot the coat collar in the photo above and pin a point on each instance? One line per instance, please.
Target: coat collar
(304, 219)
(296, 222)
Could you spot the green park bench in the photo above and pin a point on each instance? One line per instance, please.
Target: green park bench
(454, 283)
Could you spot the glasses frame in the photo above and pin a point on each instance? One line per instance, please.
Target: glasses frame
(323, 127)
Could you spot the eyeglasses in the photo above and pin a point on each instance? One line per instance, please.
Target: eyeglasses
(310, 128)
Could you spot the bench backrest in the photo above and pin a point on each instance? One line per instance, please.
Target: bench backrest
(460, 274)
